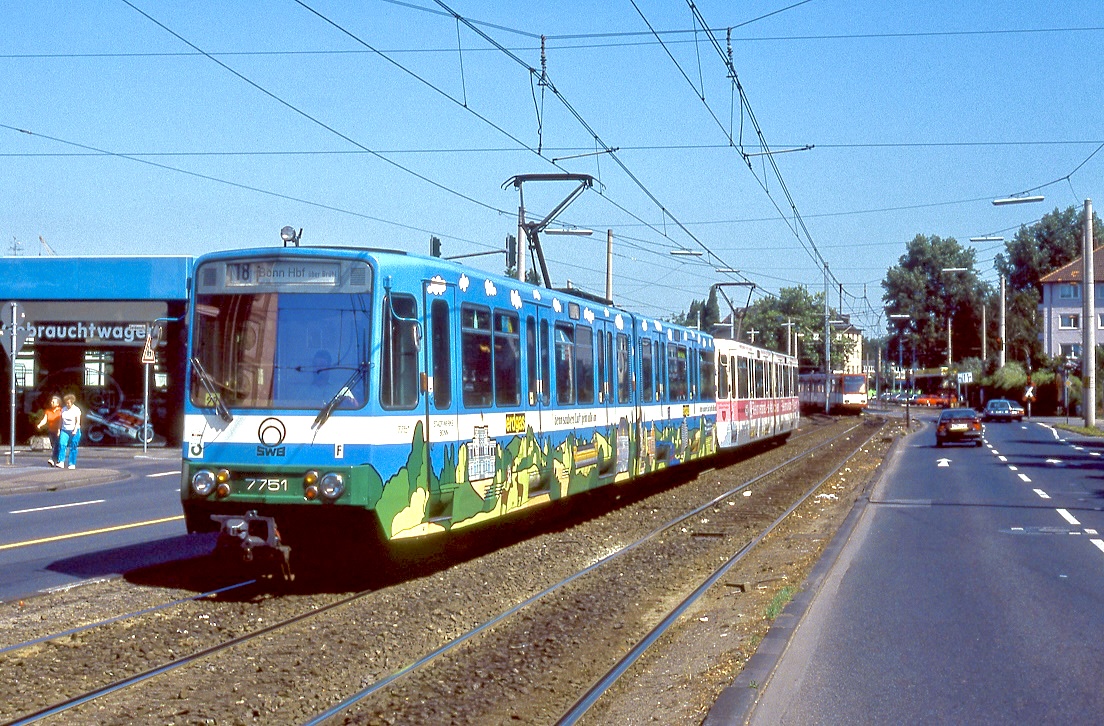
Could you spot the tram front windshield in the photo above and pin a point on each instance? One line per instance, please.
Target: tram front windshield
(854, 384)
(280, 350)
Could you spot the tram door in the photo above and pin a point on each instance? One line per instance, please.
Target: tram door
(441, 361)
(538, 365)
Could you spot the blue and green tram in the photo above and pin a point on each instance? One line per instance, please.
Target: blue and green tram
(334, 389)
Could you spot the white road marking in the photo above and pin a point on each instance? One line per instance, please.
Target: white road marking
(996, 453)
(1078, 448)
(1090, 531)
(1012, 468)
(163, 473)
(1004, 459)
(57, 506)
(1069, 517)
(1024, 478)
(1042, 494)
(1099, 544)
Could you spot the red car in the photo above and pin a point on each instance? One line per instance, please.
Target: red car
(962, 425)
(942, 399)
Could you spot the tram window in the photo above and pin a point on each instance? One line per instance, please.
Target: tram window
(722, 377)
(624, 377)
(708, 376)
(647, 388)
(507, 356)
(545, 365)
(600, 365)
(399, 370)
(743, 378)
(677, 372)
(661, 370)
(565, 363)
(760, 378)
(584, 364)
(475, 341)
(442, 354)
(609, 369)
(533, 376)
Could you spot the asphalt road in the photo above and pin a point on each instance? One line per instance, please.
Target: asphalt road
(970, 592)
(57, 539)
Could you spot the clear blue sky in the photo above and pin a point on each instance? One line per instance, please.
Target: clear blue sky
(919, 114)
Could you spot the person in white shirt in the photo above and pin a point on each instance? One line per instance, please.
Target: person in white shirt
(70, 436)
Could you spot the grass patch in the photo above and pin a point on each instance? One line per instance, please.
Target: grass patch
(778, 602)
(1080, 430)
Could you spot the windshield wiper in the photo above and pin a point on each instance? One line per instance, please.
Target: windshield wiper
(345, 391)
(212, 388)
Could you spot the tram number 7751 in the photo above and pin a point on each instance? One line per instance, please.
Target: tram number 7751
(266, 485)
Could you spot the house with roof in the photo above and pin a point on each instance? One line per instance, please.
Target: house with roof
(1060, 310)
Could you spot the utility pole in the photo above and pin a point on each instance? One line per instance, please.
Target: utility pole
(1003, 336)
(827, 348)
(1088, 322)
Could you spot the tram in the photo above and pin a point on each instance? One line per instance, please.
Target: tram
(339, 390)
(847, 392)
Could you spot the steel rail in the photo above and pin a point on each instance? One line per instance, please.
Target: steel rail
(184, 660)
(127, 616)
(375, 687)
(603, 684)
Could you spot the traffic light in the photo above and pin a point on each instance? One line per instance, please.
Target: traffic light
(435, 246)
(511, 251)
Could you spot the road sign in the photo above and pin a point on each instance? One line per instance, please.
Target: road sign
(14, 331)
(966, 377)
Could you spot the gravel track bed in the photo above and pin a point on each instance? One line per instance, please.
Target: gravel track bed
(527, 669)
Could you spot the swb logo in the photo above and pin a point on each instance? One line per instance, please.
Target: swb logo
(271, 434)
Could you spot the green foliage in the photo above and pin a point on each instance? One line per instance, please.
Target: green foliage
(922, 287)
(779, 602)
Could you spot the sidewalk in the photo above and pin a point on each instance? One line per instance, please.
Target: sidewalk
(95, 465)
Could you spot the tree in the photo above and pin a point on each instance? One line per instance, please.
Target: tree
(934, 283)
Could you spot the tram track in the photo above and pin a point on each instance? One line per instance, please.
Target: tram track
(367, 616)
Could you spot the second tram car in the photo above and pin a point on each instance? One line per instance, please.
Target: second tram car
(847, 394)
(756, 394)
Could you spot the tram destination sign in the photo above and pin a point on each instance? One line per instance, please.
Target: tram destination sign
(275, 273)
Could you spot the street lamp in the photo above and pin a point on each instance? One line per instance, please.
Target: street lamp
(1017, 200)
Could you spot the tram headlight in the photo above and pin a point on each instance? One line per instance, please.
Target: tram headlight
(203, 481)
(331, 485)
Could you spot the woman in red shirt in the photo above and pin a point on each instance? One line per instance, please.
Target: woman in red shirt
(51, 420)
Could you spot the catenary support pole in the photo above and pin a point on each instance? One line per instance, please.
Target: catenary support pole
(1088, 322)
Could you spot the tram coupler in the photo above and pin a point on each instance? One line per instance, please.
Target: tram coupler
(254, 541)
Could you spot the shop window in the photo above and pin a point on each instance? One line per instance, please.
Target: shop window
(25, 369)
(96, 364)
